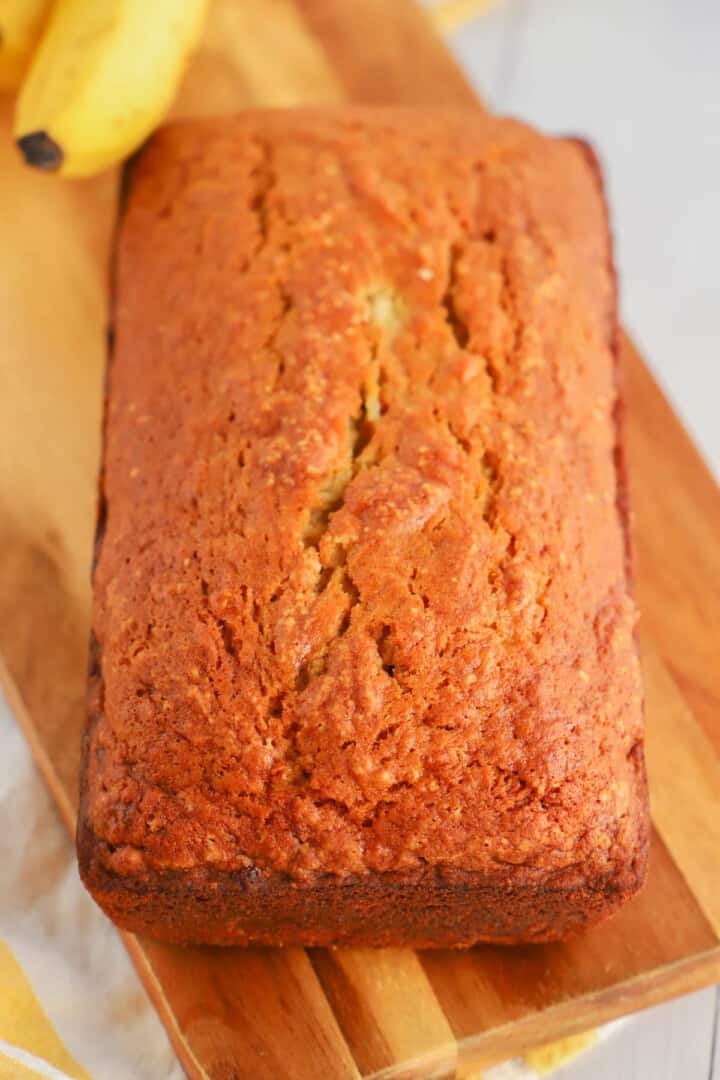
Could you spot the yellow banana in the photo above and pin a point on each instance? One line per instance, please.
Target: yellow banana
(103, 76)
(20, 25)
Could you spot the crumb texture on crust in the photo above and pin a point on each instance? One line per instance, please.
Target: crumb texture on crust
(360, 601)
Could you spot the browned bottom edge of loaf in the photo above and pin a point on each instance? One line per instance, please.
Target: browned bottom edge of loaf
(428, 908)
(431, 907)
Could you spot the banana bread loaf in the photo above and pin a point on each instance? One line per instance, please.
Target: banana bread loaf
(363, 665)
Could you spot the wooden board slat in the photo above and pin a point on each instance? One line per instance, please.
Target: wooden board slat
(677, 542)
(268, 1012)
(685, 778)
(388, 1009)
(350, 1013)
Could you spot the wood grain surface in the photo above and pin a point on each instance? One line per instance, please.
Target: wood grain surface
(264, 1013)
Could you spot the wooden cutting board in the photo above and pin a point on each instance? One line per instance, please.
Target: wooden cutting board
(264, 1013)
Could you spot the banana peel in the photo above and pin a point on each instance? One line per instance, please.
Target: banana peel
(103, 76)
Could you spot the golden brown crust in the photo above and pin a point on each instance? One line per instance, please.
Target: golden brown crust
(361, 605)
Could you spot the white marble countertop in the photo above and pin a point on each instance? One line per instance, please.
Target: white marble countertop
(641, 81)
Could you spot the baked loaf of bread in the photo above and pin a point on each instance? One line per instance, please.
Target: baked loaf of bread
(363, 666)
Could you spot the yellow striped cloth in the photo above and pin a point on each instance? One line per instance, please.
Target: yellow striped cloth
(71, 1007)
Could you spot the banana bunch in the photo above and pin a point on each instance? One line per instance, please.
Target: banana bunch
(95, 76)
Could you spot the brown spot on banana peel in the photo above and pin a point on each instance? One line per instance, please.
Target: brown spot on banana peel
(41, 151)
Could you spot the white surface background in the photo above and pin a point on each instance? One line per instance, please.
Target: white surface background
(641, 80)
